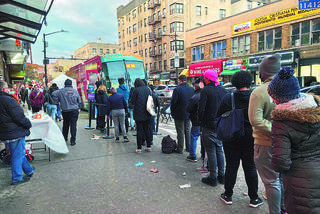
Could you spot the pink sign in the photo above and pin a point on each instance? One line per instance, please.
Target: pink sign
(198, 69)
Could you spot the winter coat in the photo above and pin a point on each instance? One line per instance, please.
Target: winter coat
(139, 101)
(115, 102)
(180, 98)
(241, 100)
(192, 108)
(210, 98)
(124, 91)
(13, 123)
(68, 98)
(296, 155)
(260, 107)
(36, 98)
(155, 101)
(102, 98)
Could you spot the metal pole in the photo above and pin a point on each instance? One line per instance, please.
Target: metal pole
(157, 125)
(45, 60)
(90, 114)
(108, 136)
(176, 51)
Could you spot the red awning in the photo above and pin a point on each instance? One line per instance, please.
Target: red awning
(197, 69)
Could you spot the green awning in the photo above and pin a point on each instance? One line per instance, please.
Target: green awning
(229, 72)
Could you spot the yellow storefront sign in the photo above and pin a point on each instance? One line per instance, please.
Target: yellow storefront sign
(273, 19)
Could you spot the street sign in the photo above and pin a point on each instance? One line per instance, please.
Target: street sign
(309, 4)
(176, 60)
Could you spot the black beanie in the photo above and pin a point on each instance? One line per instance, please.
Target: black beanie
(68, 82)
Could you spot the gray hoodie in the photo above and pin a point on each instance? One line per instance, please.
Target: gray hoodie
(68, 98)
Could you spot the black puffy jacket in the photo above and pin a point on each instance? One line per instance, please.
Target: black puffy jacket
(13, 123)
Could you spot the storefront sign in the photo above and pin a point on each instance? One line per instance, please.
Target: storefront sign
(165, 76)
(287, 58)
(197, 69)
(309, 4)
(273, 19)
(235, 64)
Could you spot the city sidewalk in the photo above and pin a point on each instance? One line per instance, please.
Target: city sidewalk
(101, 176)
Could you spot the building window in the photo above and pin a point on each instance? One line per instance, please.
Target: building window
(240, 45)
(249, 4)
(146, 66)
(145, 22)
(218, 49)
(145, 37)
(164, 12)
(176, 26)
(197, 53)
(150, 65)
(198, 25)
(101, 51)
(146, 52)
(150, 51)
(145, 7)
(164, 65)
(179, 26)
(134, 28)
(124, 45)
(164, 47)
(155, 66)
(108, 51)
(123, 33)
(198, 10)
(222, 13)
(180, 45)
(172, 27)
(119, 35)
(130, 30)
(171, 63)
(176, 8)
(270, 39)
(130, 43)
(94, 51)
(134, 14)
(206, 11)
(160, 65)
(305, 33)
(135, 42)
(159, 32)
(160, 49)
(114, 51)
(164, 29)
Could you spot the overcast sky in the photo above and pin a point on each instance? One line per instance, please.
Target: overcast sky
(85, 21)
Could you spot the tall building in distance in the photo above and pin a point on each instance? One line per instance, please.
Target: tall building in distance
(239, 6)
(93, 49)
(155, 30)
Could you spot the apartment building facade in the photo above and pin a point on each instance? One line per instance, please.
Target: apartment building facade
(93, 49)
(155, 30)
(243, 40)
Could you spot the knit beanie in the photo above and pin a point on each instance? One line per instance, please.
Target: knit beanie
(284, 86)
(68, 82)
(269, 66)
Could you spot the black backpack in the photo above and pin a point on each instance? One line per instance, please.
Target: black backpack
(168, 145)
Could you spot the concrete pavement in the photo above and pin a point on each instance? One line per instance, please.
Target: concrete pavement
(100, 176)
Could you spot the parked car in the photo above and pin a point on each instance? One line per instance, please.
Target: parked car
(165, 90)
(315, 89)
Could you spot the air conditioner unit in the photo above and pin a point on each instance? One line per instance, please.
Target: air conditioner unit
(297, 42)
(163, 16)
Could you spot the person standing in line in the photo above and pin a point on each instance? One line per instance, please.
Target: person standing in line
(180, 98)
(29, 89)
(70, 102)
(156, 106)
(210, 98)
(36, 99)
(240, 148)
(260, 107)
(51, 105)
(102, 100)
(140, 114)
(132, 124)
(295, 142)
(14, 127)
(23, 95)
(98, 123)
(192, 109)
(118, 108)
(124, 91)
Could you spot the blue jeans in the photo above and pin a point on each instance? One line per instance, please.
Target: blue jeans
(52, 110)
(58, 111)
(19, 161)
(194, 135)
(271, 179)
(214, 150)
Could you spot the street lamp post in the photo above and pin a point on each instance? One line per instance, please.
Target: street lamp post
(45, 60)
(176, 56)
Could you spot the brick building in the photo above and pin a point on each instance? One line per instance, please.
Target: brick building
(243, 40)
(153, 28)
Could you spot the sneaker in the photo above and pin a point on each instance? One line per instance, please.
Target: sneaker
(202, 170)
(192, 159)
(126, 140)
(256, 202)
(227, 200)
(209, 181)
(138, 151)
(221, 179)
(148, 149)
(73, 143)
(24, 180)
(117, 140)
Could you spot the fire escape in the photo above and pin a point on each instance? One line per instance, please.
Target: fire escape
(154, 35)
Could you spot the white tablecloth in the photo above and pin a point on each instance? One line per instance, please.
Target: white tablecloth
(46, 129)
